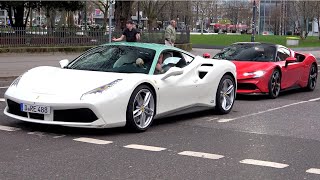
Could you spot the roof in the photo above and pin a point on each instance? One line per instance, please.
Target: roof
(154, 46)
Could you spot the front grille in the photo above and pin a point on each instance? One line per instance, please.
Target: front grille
(36, 116)
(246, 86)
(84, 115)
(14, 108)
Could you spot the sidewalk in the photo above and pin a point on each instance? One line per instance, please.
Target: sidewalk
(13, 65)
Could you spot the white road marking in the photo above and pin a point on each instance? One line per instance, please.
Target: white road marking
(213, 119)
(264, 163)
(2, 100)
(201, 155)
(8, 128)
(92, 141)
(5, 87)
(143, 147)
(313, 171)
(268, 110)
(315, 99)
(59, 136)
(37, 133)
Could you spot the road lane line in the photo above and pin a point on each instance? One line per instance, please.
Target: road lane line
(264, 163)
(213, 119)
(143, 147)
(2, 100)
(8, 128)
(313, 171)
(315, 99)
(92, 141)
(268, 110)
(201, 155)
(5, 87)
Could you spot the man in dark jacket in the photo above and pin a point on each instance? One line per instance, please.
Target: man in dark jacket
(130, 33)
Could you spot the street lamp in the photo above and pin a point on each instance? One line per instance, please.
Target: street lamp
(253, 21)
(111, 2)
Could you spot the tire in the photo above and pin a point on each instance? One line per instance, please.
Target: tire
(225, 95)
(141, 109)
(274, 84)
(312, 80)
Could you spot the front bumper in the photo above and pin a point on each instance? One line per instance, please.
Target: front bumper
(252, 86)
(51, 119)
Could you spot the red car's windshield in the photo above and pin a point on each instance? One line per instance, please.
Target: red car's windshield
(248, 52)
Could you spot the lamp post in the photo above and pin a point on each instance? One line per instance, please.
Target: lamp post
(111, 2)
(253, 21)
(138, 16)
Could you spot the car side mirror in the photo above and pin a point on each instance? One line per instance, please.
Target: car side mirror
(174, 71)
(290, 60)
(206, 55)
(64, 63)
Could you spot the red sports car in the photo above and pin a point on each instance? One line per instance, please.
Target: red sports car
(264, 68)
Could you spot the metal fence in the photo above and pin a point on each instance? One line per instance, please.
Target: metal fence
(51, 37)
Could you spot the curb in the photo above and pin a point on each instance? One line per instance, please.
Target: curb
(8, 78)
(204, 46)
(67, 49)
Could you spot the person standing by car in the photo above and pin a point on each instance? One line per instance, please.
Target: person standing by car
(130, 33)
(170, 34)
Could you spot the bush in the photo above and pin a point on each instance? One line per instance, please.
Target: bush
(289, 33)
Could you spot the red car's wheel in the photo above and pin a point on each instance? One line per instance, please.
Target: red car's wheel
(274, 84)
(313, 74)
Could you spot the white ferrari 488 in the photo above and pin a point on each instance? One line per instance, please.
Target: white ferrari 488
(122, 84)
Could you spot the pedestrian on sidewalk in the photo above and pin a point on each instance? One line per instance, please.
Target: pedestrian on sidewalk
(130, 33)
(170, 34)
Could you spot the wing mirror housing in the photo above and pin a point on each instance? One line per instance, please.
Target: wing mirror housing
(174, 71)
(290, 60)
(206, 55)
(64, 63)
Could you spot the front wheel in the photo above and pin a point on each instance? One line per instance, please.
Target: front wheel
(225, 95)
(274, 84)
(312, 81)
(141, 109)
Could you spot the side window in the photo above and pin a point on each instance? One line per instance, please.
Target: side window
(168, 59)
(282, 54)
(188, 58)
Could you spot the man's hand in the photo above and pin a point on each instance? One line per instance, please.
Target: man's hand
(158, 67)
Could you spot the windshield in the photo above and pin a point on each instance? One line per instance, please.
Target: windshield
(248, 52)
(117, 58)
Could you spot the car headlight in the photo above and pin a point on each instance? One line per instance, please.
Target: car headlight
(100, 89)
(255, 74)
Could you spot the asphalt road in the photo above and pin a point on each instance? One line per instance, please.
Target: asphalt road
(259, 139)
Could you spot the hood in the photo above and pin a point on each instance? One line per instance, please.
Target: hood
(73, 83)
(249, 66)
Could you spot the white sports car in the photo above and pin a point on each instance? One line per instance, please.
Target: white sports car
(122, 84)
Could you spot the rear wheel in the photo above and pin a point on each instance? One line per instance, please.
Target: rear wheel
(141, 109)
(225, 95)
(313, 74)
(274, 84)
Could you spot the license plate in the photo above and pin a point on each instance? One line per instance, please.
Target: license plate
(35, 109)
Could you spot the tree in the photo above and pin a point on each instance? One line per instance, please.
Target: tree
(305, 10)
(152, 9)
(17, 8)
(121, 13)
(103, 6)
